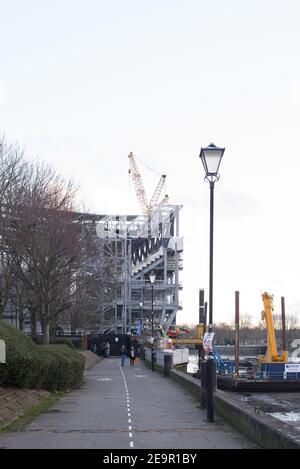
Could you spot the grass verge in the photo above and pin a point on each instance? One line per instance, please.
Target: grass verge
(33, 412)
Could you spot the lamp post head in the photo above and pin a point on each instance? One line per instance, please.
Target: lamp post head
(141, 304)
(152, 278)
(211, 158)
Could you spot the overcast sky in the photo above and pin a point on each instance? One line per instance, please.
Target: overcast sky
(84, 82)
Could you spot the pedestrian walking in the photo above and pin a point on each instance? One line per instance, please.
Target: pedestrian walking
(132, 356)
(123, 353)
(107, 349)
(94, 348)
(102, 349)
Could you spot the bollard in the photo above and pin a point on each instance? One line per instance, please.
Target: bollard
(210, 389)
(204, 380)
(167, 364)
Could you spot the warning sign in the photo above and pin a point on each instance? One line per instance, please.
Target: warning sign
(208, 341)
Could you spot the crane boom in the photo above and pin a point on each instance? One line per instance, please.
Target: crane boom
(138, 184)
(156, 194)
(267, 316)
(147, 208)
(164, 201)
(272, 353)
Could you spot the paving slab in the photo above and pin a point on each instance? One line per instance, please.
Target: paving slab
(128, 407)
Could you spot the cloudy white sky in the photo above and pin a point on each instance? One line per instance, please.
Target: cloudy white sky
(84, 82)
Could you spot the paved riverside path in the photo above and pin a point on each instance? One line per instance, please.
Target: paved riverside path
(129, 407)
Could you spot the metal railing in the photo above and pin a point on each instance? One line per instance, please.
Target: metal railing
(137, 284)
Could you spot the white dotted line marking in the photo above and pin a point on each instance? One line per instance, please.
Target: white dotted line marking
(128, 410)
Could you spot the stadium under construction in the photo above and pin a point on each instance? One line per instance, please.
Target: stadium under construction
(141, 245)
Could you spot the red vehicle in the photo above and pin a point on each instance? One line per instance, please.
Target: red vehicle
(176, 331)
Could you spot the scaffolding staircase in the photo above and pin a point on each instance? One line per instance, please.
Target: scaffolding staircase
(148, 261)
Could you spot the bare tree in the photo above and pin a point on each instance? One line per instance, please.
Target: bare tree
(291, 322)
(12, 168)
(224, 334)
(45, 242)
(50, 265)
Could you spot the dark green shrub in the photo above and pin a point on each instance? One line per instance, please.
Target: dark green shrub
(63, 341)
(65, 369)
(38, 339)
(56, 341)
(78, 345)
(28, 365)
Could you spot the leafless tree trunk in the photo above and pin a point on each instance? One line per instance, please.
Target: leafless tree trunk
(12, 167)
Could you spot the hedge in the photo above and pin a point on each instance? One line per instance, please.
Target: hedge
(63, 341)
(55, 341)
(28, 365)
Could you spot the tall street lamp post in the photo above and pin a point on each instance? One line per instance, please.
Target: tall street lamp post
(141, 317)
(211, 158)
(152, 280)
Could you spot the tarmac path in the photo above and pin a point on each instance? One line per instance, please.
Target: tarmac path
(129, 407)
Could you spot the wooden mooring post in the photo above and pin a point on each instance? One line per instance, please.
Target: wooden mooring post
(237, 333)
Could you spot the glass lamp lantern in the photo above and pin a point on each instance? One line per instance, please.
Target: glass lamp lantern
(211, 158)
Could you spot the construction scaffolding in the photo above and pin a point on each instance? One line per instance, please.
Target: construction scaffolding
(136, 245)
(142, 244)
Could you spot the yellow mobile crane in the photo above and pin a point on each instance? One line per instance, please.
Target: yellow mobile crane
(272, 353)
(198, 340)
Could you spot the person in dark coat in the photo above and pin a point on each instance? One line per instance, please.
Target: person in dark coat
(132, 356)
(123, 353)
(107, 350)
